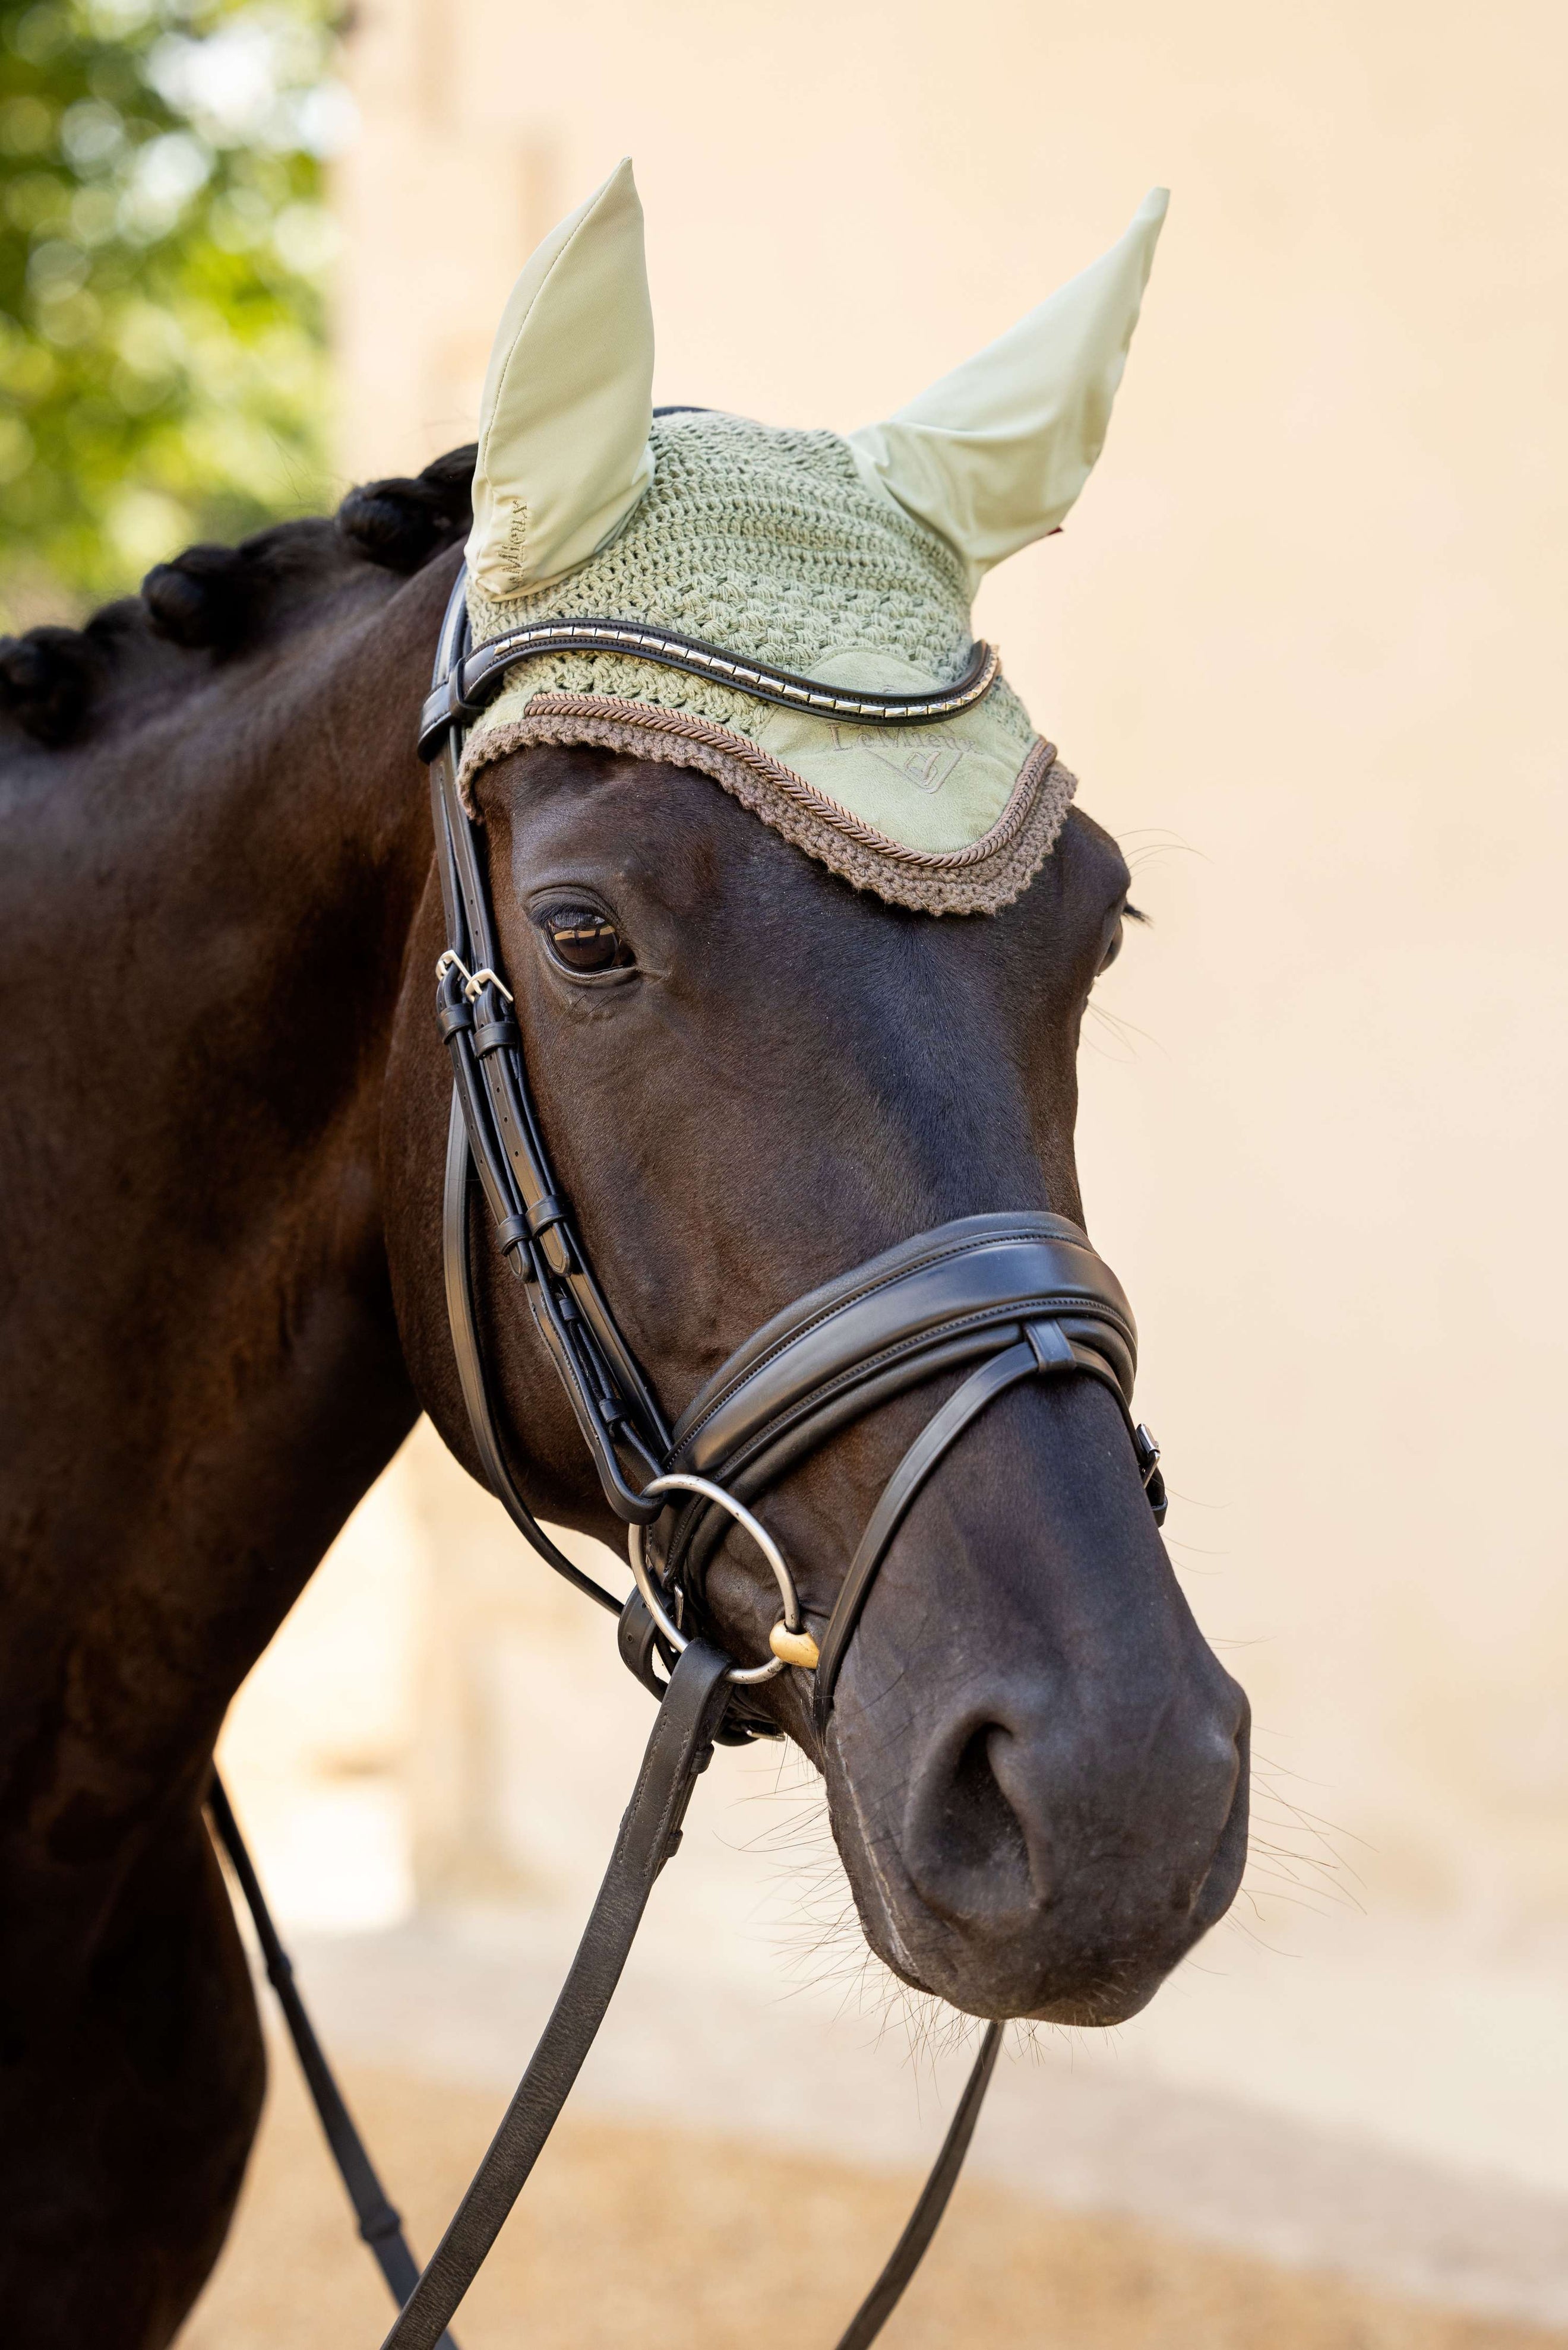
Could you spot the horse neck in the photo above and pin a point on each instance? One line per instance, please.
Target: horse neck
(209, 909)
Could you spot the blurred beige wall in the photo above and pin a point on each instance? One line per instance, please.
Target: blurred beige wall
(1301, 640)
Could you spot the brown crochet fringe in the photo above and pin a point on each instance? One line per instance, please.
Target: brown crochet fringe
(980, 880)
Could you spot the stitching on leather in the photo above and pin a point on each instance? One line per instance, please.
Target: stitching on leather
(902, 1351)
(829, 1312)
(1020, 1311)
(888, 1280)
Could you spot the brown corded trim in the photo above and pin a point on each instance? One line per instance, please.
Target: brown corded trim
(795, 787)
(980, 879)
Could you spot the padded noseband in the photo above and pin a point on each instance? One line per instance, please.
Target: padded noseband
(1023, 1294)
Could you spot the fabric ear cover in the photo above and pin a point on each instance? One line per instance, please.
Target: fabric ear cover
(994, 454)
(564, 453)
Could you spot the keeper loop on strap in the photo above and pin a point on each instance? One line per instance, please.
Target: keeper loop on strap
(640, 1641)
(377, 2227)
(512, 1231)
(544, 1214)
(489, 1035)
(446, 707)
(1052, 1347)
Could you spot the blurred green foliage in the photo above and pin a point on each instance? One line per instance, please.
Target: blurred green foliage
(162, 245)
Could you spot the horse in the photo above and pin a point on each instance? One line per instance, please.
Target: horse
(226, 1121)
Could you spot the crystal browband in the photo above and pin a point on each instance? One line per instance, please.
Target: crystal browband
(475, 682)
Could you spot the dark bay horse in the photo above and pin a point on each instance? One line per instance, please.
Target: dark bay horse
(225, 1110)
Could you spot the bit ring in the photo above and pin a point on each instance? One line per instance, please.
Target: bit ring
(681, 1481)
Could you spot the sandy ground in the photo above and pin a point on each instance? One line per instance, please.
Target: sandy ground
(668, 2239)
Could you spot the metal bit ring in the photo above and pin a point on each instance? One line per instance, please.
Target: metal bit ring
(680, 1482)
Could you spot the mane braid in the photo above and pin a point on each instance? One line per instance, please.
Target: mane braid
(54, 681)
(51, 678)
(401, 522)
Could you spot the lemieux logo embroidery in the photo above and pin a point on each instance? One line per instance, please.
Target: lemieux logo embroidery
(926, 766)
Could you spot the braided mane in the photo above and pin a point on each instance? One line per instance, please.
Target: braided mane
(222, 601)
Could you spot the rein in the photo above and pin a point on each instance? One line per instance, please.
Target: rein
(1018, 1296)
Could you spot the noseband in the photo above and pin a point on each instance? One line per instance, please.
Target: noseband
(1001, 1297)
(1021, 1295)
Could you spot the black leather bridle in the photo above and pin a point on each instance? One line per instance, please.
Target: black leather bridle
(1008, 1296)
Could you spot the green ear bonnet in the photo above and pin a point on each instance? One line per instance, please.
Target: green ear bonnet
(851, 561)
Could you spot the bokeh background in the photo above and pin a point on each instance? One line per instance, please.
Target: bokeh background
(1303, 642)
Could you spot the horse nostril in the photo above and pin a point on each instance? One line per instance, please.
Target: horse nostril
(967, 1846)
(1008, 1819)
(985, 1831)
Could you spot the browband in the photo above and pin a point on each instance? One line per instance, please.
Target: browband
(474, 682)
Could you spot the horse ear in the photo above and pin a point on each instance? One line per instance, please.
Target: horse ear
(994, 454)
(563, 451)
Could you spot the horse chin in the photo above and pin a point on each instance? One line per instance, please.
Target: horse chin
(1033, 1975)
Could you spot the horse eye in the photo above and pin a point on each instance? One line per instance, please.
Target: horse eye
(585, 942)
(1113, 948)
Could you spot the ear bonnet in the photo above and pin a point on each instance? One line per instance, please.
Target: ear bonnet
(846, 561)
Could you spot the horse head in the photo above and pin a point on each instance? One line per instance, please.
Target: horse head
(756, 1070)
(798, 928)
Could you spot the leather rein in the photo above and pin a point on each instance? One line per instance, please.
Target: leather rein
(1009, 1297)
